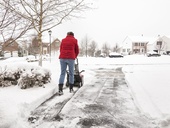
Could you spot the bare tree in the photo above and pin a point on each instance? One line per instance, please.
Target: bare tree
(98, 53)
(43, 15)
(105, 49)
(10, 24)
(92, 48)
(160, 45)
(84, 45)
(34, 49)
(116, 48)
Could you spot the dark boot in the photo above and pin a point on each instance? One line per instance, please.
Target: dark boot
(60, 89)
(71, 87)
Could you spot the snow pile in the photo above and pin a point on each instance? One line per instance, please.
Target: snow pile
(10, 114)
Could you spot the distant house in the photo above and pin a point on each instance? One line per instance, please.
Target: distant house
(23, 47)
(166, 39)
(134, 45)
(13, 48)
(55, 46)
(53, 49)
(10, 48)
(142, 44)
(47, 48)
(160, 45)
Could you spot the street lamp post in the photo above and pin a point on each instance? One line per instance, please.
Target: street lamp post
(159, 44)
(49, 32)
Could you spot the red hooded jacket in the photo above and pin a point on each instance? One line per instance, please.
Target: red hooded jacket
(69, 48)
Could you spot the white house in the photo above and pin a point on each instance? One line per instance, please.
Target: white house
(143, 44)
(126, 46)
(166, 39)
(135, 44)
(160, 45)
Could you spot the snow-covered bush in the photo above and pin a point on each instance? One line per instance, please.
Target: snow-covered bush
(25, 76)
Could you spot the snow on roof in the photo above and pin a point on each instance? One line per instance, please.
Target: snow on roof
(144, 39)
(166, 38)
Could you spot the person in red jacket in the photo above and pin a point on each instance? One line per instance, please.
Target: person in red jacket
(69, 51)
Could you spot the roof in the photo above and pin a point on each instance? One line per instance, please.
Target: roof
(166, 38)
(45, 44)
(143, 39)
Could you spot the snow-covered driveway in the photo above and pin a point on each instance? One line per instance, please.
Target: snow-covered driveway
(105, 102)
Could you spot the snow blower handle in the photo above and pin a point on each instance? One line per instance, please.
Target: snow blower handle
(77, 61)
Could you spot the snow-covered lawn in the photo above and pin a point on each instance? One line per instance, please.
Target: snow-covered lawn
(150, 85)
(148, 78)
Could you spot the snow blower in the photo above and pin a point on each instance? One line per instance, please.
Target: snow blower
(78, 76)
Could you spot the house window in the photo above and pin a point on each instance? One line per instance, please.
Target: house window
(45, 51)
(124, 50)
(136, 44)
(159, 42)
(11, 44)
(142, 44)
(136, 50)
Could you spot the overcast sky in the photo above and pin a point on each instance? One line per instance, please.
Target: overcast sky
(113, 20)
